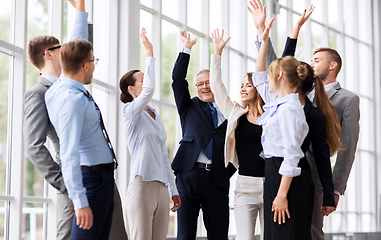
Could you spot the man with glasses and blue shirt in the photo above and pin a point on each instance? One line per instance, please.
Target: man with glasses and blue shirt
(201, 177)
(44, 53)
(87, 157)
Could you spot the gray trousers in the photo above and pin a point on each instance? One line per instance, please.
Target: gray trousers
(66, 215)
(317, 216)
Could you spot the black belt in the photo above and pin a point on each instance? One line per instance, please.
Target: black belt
(206, 166)
(99, 167)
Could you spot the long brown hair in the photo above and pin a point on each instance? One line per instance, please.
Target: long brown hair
(332, 124)
(258, 101)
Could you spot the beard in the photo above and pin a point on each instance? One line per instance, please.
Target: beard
(323, 75)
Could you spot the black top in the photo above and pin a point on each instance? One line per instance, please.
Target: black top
(248, 146)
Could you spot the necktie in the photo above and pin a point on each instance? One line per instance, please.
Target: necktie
(208, 149)
(88, 95)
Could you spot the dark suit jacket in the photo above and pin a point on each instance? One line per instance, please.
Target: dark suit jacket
(197, 128)
(321, 158)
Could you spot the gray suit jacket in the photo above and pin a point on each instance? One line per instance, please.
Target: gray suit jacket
(347, 106)
(37, 127)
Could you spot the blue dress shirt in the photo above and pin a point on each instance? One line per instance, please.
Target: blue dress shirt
(77, 123)
(284, 127)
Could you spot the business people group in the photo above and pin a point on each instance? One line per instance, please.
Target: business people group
(292, 117)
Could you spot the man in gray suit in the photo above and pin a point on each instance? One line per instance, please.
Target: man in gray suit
(44, 52)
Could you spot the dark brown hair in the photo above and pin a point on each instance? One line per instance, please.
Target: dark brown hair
(334, 56)
(258, 99)
(125, 81)
(74, 54)
(37, 46)
(332, 124)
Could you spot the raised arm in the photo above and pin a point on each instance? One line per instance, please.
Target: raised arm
(261, 60)
(216, 85)
(290, 47)
(136, 107)
(179, 73)
(80, 29)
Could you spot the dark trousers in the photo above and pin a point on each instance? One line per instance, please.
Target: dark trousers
(198, 190)
(300, 201)
(100, 194)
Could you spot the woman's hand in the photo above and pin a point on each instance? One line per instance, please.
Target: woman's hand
(219, 42)
(147, 44)
(188, 42)
(266, 32)
(258, 12)
(176, 203)
(280, 209)
(301, 21)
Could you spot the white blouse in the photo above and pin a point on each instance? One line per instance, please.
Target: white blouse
(284, 127)
(146, 136)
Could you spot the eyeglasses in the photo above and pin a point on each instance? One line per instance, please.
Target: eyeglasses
(95, 60)
(52, 48)
(200, 84)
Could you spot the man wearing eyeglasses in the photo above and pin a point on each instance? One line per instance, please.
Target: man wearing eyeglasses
(201, 177)
(44, 54)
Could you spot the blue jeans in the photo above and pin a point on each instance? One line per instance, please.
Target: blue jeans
(100, 194)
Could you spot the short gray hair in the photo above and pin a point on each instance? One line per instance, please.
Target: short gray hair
(200, 72)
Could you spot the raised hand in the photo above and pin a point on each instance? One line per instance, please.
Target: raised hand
(78, 4)
(258, 12)
(306, 14)
(266, 32)
(147, 44)
(219, 42)
(188, 42)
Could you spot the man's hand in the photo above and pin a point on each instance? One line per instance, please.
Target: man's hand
(84, 217)
(337, 198)
(78, 4)
(258, 12)
(147, 44)
(219, 42)
(176, 203)
(326, 210)
(188, 42)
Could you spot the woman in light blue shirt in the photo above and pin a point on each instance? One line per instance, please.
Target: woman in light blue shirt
(151, 176)
(288, 186)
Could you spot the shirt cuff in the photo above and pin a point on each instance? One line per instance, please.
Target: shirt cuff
(288, 170)
(338, 193)
(81, 16)
(186, 50)
(172, 191)
(80, 203)
(259, 78)
(259, 38)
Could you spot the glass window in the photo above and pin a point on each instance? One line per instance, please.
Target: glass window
(100, 39)
(171, 8)
(235, 23)
(5, 20)
(148, 3)
(318, 12)
(38, 18)
(235, 75)
(333, 16)
(299, 52)
(4, 79)
(215, 15)
(33, 180)
(251, 37)
(333, 39)
(350, 66)
(2, 220)
(365, 86)
(317, 33)
(65, 21)
(350, 20)
(169, 55)
(250, 65)
(32, 221)
(298, 5)
(194, 16)
(364, 18)
(281, 31)
(146, 20)
(168, 117)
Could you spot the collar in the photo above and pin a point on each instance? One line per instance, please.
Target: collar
(74, 83)
(330, 86)
(50, 78)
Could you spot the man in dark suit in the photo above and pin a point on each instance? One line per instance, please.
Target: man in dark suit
(201, 177)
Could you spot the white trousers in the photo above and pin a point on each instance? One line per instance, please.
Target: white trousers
(248, 204)
(147, 209)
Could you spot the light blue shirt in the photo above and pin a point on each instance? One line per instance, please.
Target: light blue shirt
(284, 127)
(202, 158)
(146, 136)
(77, 123)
